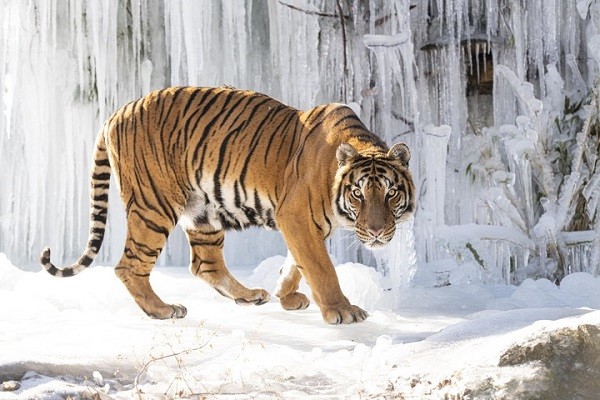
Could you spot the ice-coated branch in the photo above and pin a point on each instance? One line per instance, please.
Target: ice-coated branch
(344, 48)
(533, 106)
(523, 91)
(372, 41)
(576, 179)
(484, 232)
(309, 9)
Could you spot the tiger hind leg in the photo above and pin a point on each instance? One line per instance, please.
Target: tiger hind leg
(287, 286)
(143, 245)
(206, 253)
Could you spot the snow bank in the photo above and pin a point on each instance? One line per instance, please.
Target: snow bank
(85, 335)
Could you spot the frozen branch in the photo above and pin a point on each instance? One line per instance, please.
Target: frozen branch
(386, 40)
(312, 12)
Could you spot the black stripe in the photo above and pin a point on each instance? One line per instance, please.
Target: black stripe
(282, 128)
(349, 116)
(218, 242)
(236, 195)
(207, 127)
(250, 214)
(223, 148)
(98, 217)
(101, 177)
(235, 106)
(257, 203)
(356, 126)
(152, 225)
(190, 101)
(159, 197)
(256, 140)
(327, 220)
(95, 244)
(100, 197)
(313, 129)
(52, 270)
(84, 260)
(100, 186)
(312, 214)
(210, 233)
(216, 177)
(160, 98)
(174, 97)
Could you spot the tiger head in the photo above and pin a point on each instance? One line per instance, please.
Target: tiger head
(373, 192)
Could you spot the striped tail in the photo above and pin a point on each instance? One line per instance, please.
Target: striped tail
(100, 182)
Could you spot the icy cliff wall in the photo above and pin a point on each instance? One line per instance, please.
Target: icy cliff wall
(66, 65)
(513, 82)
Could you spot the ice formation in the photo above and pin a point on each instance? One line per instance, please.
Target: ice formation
(490, 96)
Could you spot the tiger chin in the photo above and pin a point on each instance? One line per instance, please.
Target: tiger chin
(216, 159)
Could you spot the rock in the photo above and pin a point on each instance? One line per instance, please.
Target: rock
(568, 361)
(10, 386)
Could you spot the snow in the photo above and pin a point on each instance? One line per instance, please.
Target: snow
(86, 335)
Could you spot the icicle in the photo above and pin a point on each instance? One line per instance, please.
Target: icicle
(402, 260)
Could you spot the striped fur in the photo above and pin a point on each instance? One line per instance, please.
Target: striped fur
(215, 159)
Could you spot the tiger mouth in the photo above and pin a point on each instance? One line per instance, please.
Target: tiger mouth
(374, 243)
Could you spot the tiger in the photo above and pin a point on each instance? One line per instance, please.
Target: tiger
(213, 159)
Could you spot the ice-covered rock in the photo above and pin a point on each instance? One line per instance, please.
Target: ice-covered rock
(567, 360)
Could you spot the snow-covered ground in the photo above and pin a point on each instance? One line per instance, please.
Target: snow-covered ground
(85, 337)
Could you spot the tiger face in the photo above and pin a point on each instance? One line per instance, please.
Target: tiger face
(374, 192)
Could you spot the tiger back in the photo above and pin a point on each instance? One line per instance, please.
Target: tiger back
(216, 159)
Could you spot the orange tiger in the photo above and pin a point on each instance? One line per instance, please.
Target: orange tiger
(214, 159)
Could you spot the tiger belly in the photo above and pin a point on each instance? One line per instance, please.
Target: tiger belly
(233, 209)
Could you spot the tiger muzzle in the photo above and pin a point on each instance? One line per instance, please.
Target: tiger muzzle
(375, 226)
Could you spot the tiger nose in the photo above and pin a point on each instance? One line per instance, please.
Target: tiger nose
(375, 232)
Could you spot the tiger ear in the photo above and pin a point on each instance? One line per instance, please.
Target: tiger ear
(400, 152)
(345, 152)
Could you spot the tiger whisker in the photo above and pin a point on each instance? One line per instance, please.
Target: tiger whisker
(354, 242)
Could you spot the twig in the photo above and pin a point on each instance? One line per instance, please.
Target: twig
(154, 359)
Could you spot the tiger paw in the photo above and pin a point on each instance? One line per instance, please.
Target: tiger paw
(169, 311)
(254, 296)
(294, 301)
(345, 314)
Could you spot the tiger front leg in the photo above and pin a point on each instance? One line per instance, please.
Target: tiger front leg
(206, 252)
(313, 262)
(287, 286)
